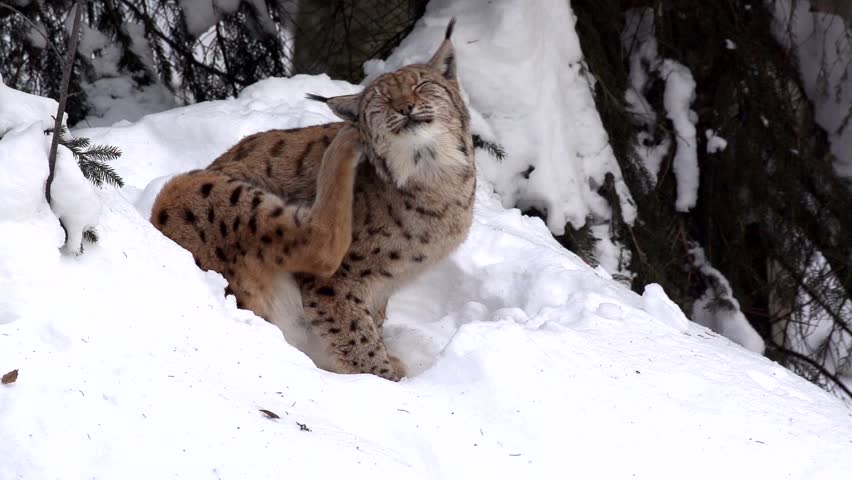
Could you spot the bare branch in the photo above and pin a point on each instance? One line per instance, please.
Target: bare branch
(63, 97)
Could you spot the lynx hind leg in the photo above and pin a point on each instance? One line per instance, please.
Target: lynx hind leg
(230, 225)
(379, 317)
(226, 222)
(348, 332)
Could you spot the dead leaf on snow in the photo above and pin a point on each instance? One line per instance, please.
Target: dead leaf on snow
(10, 377)
(269, 413)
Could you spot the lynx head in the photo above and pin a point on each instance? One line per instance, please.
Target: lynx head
(413, 121)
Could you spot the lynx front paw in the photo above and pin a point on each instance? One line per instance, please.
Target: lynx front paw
(398, 367)
(391, 369)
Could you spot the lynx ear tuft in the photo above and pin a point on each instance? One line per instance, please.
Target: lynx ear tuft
(318, 98)
(344, 106)
(444, 59)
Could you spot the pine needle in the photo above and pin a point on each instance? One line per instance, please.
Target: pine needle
(494, 149)
(90, 236)
(92, 158)
(99, 173)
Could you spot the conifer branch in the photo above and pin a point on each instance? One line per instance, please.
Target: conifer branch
(90, 235)
(493, 148)
(91, 159)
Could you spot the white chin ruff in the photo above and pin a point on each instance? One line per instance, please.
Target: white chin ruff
(420, 152)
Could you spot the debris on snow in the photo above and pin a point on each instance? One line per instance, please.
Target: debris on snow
(9, 377)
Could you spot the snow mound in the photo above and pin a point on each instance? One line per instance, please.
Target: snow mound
(74, 200)
(20, 108)
(525, 362)
(23, 175)
(23, 170)
(191, 137)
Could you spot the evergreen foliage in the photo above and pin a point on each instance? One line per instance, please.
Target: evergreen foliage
(153, 42)
(493, 148)
(93, 159)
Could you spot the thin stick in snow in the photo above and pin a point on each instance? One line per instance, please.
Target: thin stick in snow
(63, 97)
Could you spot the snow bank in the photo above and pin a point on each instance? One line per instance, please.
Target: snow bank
(74, 200)
(189, 137)
(24, 168)
(20, 108)
(521, 65)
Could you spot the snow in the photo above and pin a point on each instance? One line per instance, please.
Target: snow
(639, 43)
(112, 93)
(199, 15)
(652, 156)
(525, 362)
(813, 331)
(715, 143)
(823, 46)
(678, 97)
(22, 170)
(717, 309)
(73, 199)
(120, 99)
(19, 108)
(522, 358)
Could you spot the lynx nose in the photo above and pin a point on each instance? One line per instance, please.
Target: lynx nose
(405, 108)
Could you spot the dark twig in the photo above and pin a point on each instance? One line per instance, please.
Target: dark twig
(63, 97)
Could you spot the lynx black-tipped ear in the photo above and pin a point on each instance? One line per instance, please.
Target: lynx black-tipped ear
(344, 106)
(450, 26)
(318, 98)
(444, 59)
